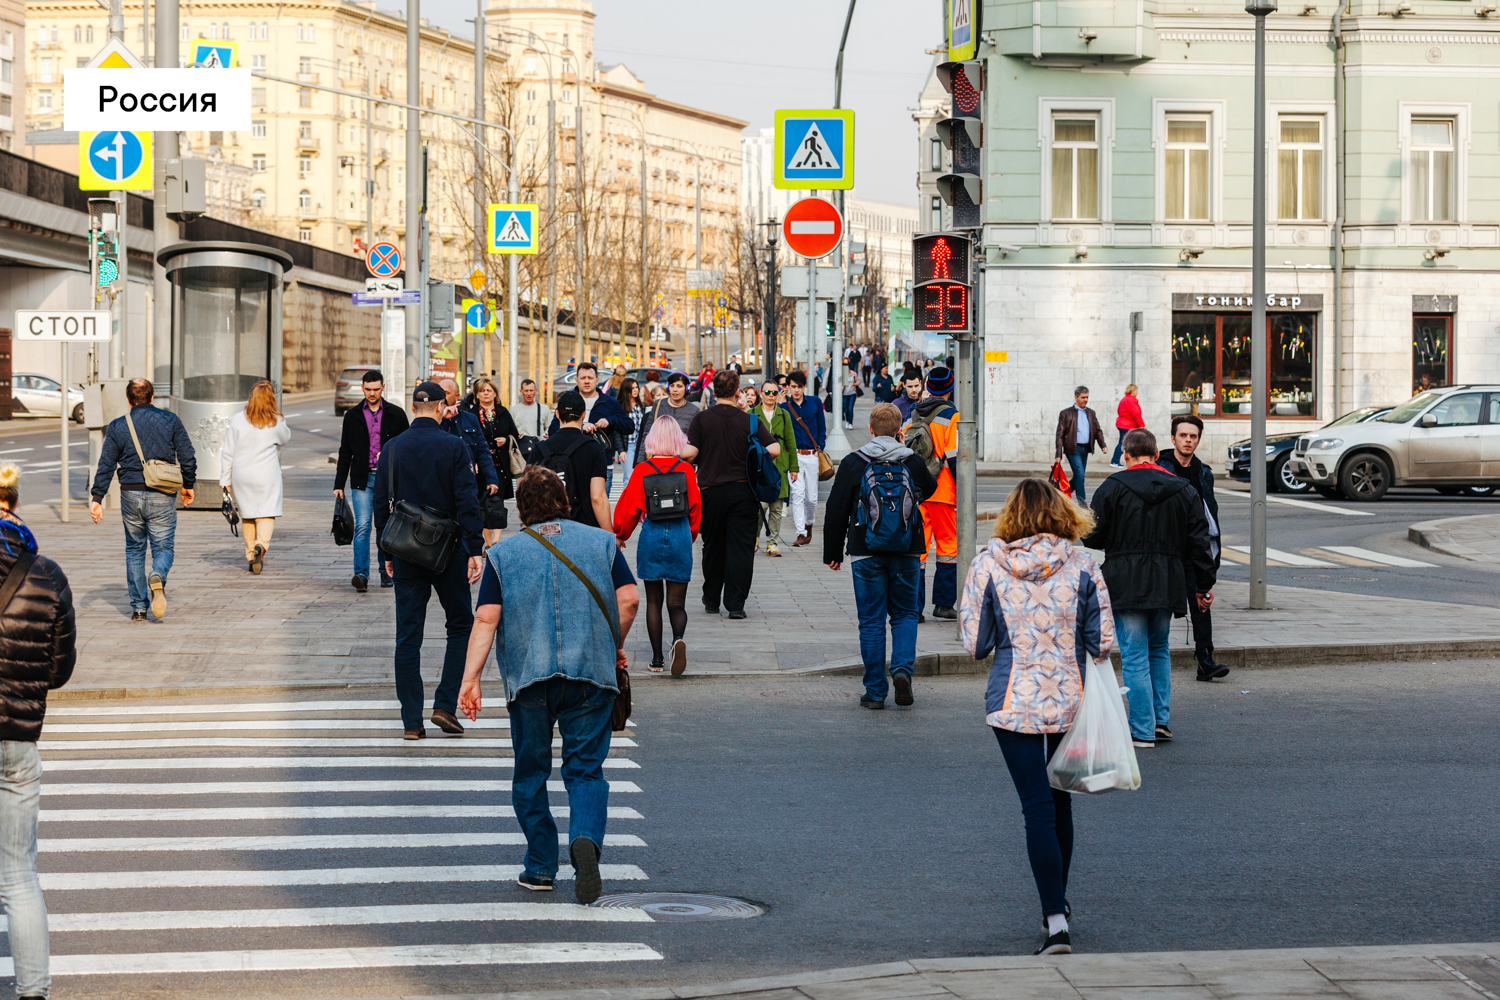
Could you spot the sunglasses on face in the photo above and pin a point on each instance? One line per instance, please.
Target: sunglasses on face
(772, 392)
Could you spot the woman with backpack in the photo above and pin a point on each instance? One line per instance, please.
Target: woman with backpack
(662, 496)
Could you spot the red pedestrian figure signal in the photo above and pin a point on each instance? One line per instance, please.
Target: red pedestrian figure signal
(940, 256)
(940, 289)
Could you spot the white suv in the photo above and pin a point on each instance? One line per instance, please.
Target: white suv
(1448, 439)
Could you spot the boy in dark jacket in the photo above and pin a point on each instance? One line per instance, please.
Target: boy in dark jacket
(885, 583)
(1152, 529)
(1187, 431)
(366, 430)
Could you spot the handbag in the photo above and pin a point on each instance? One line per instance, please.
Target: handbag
(825, 464)
(1059, 477)
(517, 460)
(157, 474)
(343, 522)
(619, 718)
(492, 509)
(418, 535)
(232, 515)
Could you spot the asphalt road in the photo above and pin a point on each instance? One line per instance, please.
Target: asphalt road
(1321, 806)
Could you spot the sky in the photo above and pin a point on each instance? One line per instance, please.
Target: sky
(747, 58)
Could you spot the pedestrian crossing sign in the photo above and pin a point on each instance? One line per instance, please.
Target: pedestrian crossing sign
(814, 150)
(215, 55)
(512, 229)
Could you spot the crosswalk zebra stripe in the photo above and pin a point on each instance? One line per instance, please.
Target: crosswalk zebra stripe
(242, 725)
(214, 815)
(148, 708)
(336, 916)
(281, 878)
(1378, 557)
(295, 763)
(318, 842)
(1285, 558)
(342, 958)
(52, 788)
(311, 742)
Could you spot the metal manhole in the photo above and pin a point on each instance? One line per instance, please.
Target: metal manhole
(670, 906)
(809, 695)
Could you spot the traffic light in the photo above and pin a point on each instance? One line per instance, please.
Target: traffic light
(831, 323)
(963, 135)
(940, 286)
(105, 258)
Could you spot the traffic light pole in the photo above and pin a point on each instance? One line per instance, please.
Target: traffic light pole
(967, 485)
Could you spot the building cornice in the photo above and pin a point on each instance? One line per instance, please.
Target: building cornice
(656, 103)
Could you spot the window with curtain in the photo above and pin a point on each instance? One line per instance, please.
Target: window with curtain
(1187, 168)
(935, 153)
(258, 199)
(1299, 177)
(1431, 169)
(1075, 167)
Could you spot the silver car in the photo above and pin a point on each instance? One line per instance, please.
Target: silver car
(348, 391)
(1447, 439)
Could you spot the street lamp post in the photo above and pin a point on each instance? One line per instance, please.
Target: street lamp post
(1259, 396)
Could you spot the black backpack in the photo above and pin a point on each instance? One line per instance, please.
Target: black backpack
(560, 462)
(666, 494)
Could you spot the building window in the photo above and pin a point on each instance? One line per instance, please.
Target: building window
(258, 129)
(935, 155)
(77, 33)
(258, 63)
(258, 198)
(304, 200)
(46, 69)
(224, 31)
(7, 71)
(304, 65)
(1075, 167)
(1432, 169)
(1211, 355)
(1299, 176)
(299, 33)
(531, 120)
(265, 31)
(258, 163)
(1187, 169)
(935, 220)
(304, 130)
(304, 236)
(567, 95)
(5, 107)
(304, 166)
(44, 100)
(1431, 352)
(530, 65)
(304, 98)
(187, 33)
(258, 96)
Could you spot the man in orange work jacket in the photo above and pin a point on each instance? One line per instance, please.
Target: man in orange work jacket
(936, 417)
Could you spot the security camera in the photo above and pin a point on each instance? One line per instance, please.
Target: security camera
(1006, 249)
(1436, 252)
(1080, 251)
(1190, 253)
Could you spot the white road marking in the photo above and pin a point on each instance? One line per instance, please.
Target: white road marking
(341, 958)
(237, 725)
(1379, 557)
(1326, 508)
(84, 708)
(33, 466)
(283, 742)
(325, 842)
(276, 878)
(52, 788)
(317, 413)
(443, 811)
(336, 916)
(284, 763)
(16, 451)
(1287, 558)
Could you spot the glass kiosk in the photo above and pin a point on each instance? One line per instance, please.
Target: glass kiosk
(226, 336)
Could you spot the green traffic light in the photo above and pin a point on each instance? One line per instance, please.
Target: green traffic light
(109, 272)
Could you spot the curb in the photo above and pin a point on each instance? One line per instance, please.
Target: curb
(1435, 535)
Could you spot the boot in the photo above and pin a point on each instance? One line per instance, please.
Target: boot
(1208, 670)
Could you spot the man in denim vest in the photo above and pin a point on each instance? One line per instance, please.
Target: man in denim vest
(557, 653)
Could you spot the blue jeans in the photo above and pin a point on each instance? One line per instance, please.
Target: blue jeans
(413, 589)
(1146, 666)
(1119, 448)
(1048, 813)
(20, 795)
(848, 405)
(153, 516)
(885, 586)
(581, 713)
(362, 503)
(1079, 461)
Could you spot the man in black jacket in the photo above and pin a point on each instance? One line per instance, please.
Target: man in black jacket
(1151, 527)
(1078, 430)
(1187, 431)
(430, 468)
(885, 582)
(367, 428)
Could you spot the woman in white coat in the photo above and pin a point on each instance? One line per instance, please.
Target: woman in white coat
(250, 464)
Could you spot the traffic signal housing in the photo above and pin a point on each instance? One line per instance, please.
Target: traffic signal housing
(963, 135)
(940, 285)
(830, 325)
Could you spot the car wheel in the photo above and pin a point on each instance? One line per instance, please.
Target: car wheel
(1282, 480)
(1365, 477)
(78, 414)
(1329, 492)
(1479, 491)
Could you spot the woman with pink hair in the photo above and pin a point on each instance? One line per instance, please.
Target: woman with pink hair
(662, 497)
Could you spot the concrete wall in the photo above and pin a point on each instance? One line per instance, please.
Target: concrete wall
(323, 332)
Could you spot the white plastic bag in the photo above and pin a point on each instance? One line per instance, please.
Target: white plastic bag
(1097, 755)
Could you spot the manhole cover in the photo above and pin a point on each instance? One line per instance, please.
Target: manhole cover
(809, 695)
(682, 905)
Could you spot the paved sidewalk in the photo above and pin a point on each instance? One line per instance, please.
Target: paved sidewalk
(1476, 538)
(1397, 972)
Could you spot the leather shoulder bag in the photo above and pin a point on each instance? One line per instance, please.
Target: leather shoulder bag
(421, 536)
(825, 464)
(157, 474)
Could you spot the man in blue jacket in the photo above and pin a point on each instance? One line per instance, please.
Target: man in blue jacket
(430, 468)
(811, 433)
(149, 514)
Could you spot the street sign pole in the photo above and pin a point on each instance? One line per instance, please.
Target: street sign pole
(1259, 355)
(63, 412)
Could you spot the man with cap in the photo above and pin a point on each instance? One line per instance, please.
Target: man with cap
(428, 467)
(367, 428)
(932, 432)
(580, 461)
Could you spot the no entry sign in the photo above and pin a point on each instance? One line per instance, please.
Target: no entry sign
(812, 227)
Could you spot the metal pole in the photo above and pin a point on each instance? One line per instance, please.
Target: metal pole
(580, 331)
(697, 263)
(551, 235)
(63, 419)
(1338, 222)
(481, 196)
(414, 331)
(645, 253)
(966, 482)
(118, 315)
(424, 335)
(1258, 339)
(512, 294)
(165, 230)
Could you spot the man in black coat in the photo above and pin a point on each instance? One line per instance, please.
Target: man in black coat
(430, 468)
(1187, 431)
(1154, 534)
(366, 430)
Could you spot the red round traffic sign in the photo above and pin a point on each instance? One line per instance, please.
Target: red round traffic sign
(812, 227)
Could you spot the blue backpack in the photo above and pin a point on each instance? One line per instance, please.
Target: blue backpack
(760, 467)
(887, 501)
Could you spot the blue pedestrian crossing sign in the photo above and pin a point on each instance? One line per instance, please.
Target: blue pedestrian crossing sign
(814, 150)
(114, 161)
(512, 229)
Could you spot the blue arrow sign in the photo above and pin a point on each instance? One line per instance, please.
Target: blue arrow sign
(477, 316)
(116, 156)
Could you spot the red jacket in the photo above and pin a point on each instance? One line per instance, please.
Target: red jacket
(1129, 414)
(630, 509)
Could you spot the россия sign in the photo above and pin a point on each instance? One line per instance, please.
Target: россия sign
(156, 100)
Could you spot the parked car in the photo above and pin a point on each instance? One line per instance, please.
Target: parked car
(1281, 474)
(347, 391)
(41, 396)
(1447, 439)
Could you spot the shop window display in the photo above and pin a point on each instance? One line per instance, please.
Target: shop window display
(1431, 357)
(1211, 358)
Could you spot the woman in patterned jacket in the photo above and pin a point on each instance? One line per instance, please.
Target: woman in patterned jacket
(1039, 603)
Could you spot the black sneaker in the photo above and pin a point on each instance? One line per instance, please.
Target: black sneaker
(1163, 733)
(1210, 671)
(946, 614)
(1056, 944)
(138, 616)
(360, 583)
(679, 657)
(1143, 744)
(387, 583)
(865, 701)
(901, 681)
(712, 609)
(536, 883)
(585, 855)
(735, 616)
(656, 666)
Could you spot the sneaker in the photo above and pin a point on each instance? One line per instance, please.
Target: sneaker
(1163, 733)
(773, 552)
(138, 615)
(946, 614)
(656, 666)
(735, 616)
(360, 583)
(679, 657)
(586, 883)
(536, 883)
(865, 701)
(387, 583)
(1056, 944)
(158, 595)
(1210, 671)
(1147, 744)
(415, 734)
(901, 681)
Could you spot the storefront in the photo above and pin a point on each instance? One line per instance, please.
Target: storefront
(1213, 344)
(1432, 341)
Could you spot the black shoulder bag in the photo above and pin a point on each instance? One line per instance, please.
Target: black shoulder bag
(620, 717)
(419, 535)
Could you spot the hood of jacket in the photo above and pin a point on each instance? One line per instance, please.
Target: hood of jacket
(930, 404)
(1034, 558)
(884, 449)
(1151, 485)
